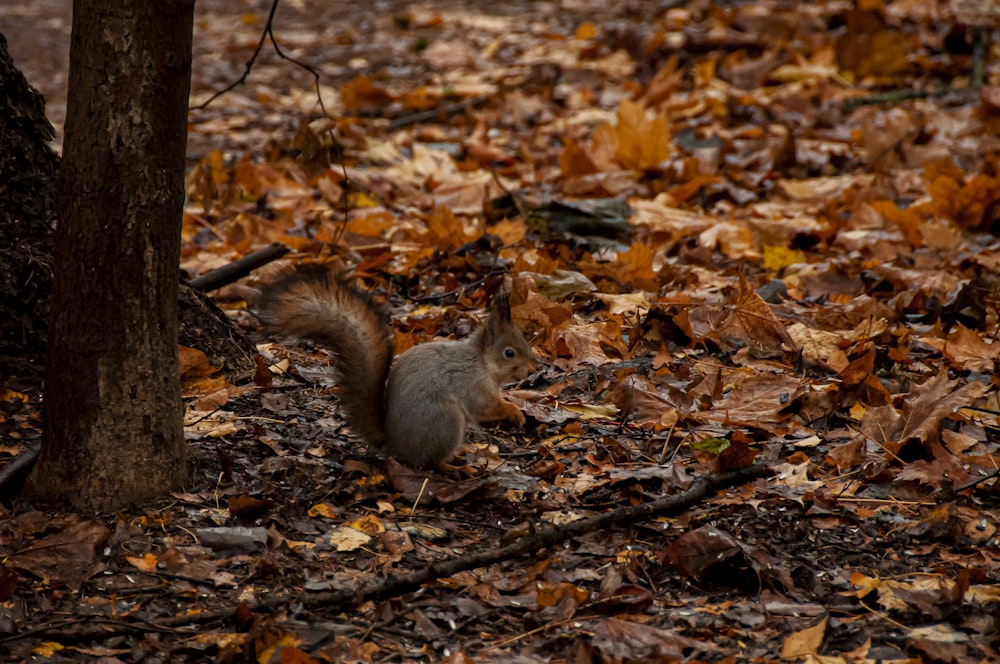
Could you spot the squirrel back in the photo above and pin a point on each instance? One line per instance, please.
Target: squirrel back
(313, 303)
(419, 408)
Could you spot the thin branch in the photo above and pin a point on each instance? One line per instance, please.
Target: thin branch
(441, 113)
(253, 58)
(241, 267)
(14, 472)
(395, 586)
(268, 33)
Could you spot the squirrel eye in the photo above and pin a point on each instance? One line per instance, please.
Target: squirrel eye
(509, 353)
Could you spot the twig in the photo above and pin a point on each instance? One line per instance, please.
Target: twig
(978, 481)
(402, 583)
(545, 538)
(239, 268)
(888, 97)
(267, 32)
(443, 112)
(980, 50)
(17, 469)
(249, 65)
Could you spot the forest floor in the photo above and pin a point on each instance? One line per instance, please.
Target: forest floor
(747, 237)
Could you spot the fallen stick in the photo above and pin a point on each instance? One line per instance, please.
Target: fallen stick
(17, 470)
(546, 537)
(438, 113)
(394, 586)
(239, 268)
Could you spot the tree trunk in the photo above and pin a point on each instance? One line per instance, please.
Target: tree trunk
(112, 413)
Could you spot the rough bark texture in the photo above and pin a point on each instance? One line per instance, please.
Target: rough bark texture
(27, 206)
(112, 412)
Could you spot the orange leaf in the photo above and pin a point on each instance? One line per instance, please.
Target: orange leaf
(574, 160)
(446, 230)
(361, 93)
(643, 140)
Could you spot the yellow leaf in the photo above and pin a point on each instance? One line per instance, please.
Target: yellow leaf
(585, 32)
(361, 199)
(591, 411)
(147, 563)
(11, 395)
(368, 524)
(217, 166)
(48, 649)
(347, 539)
(322, 509)
(778, 258)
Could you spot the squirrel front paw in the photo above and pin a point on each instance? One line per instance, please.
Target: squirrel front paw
(511, 413)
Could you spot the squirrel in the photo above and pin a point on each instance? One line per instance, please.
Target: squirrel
(418, 408)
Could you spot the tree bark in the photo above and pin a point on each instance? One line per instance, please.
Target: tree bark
(112, 413)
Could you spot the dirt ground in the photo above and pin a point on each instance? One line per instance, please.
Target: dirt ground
(804, 277)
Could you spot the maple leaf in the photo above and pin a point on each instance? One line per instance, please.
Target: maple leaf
(640, 140)
(752, 321)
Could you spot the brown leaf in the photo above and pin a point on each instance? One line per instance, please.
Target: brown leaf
(194, 364)
(245, 506)
(575, 161)
(626, 598)
(68, 556)
(262, 375)
(623, 640)
(739, 454)
(757, 401)
(966, 349)
(432, 487)
(446, 230)
(663, 84)
(8, 583)
(361, 93)
(847, 455)
(752, 321)
(804, 642)
(695, 552)
(870, 48)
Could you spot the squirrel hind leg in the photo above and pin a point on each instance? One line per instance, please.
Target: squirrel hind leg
(426, 438)
(460, 469)
(457, 471)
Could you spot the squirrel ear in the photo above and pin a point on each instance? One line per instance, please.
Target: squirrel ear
(501, 306)
(498, 319)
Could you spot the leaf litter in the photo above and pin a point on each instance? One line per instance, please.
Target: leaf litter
(750, 233)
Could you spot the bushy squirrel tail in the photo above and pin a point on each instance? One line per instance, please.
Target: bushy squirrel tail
(313, 303)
